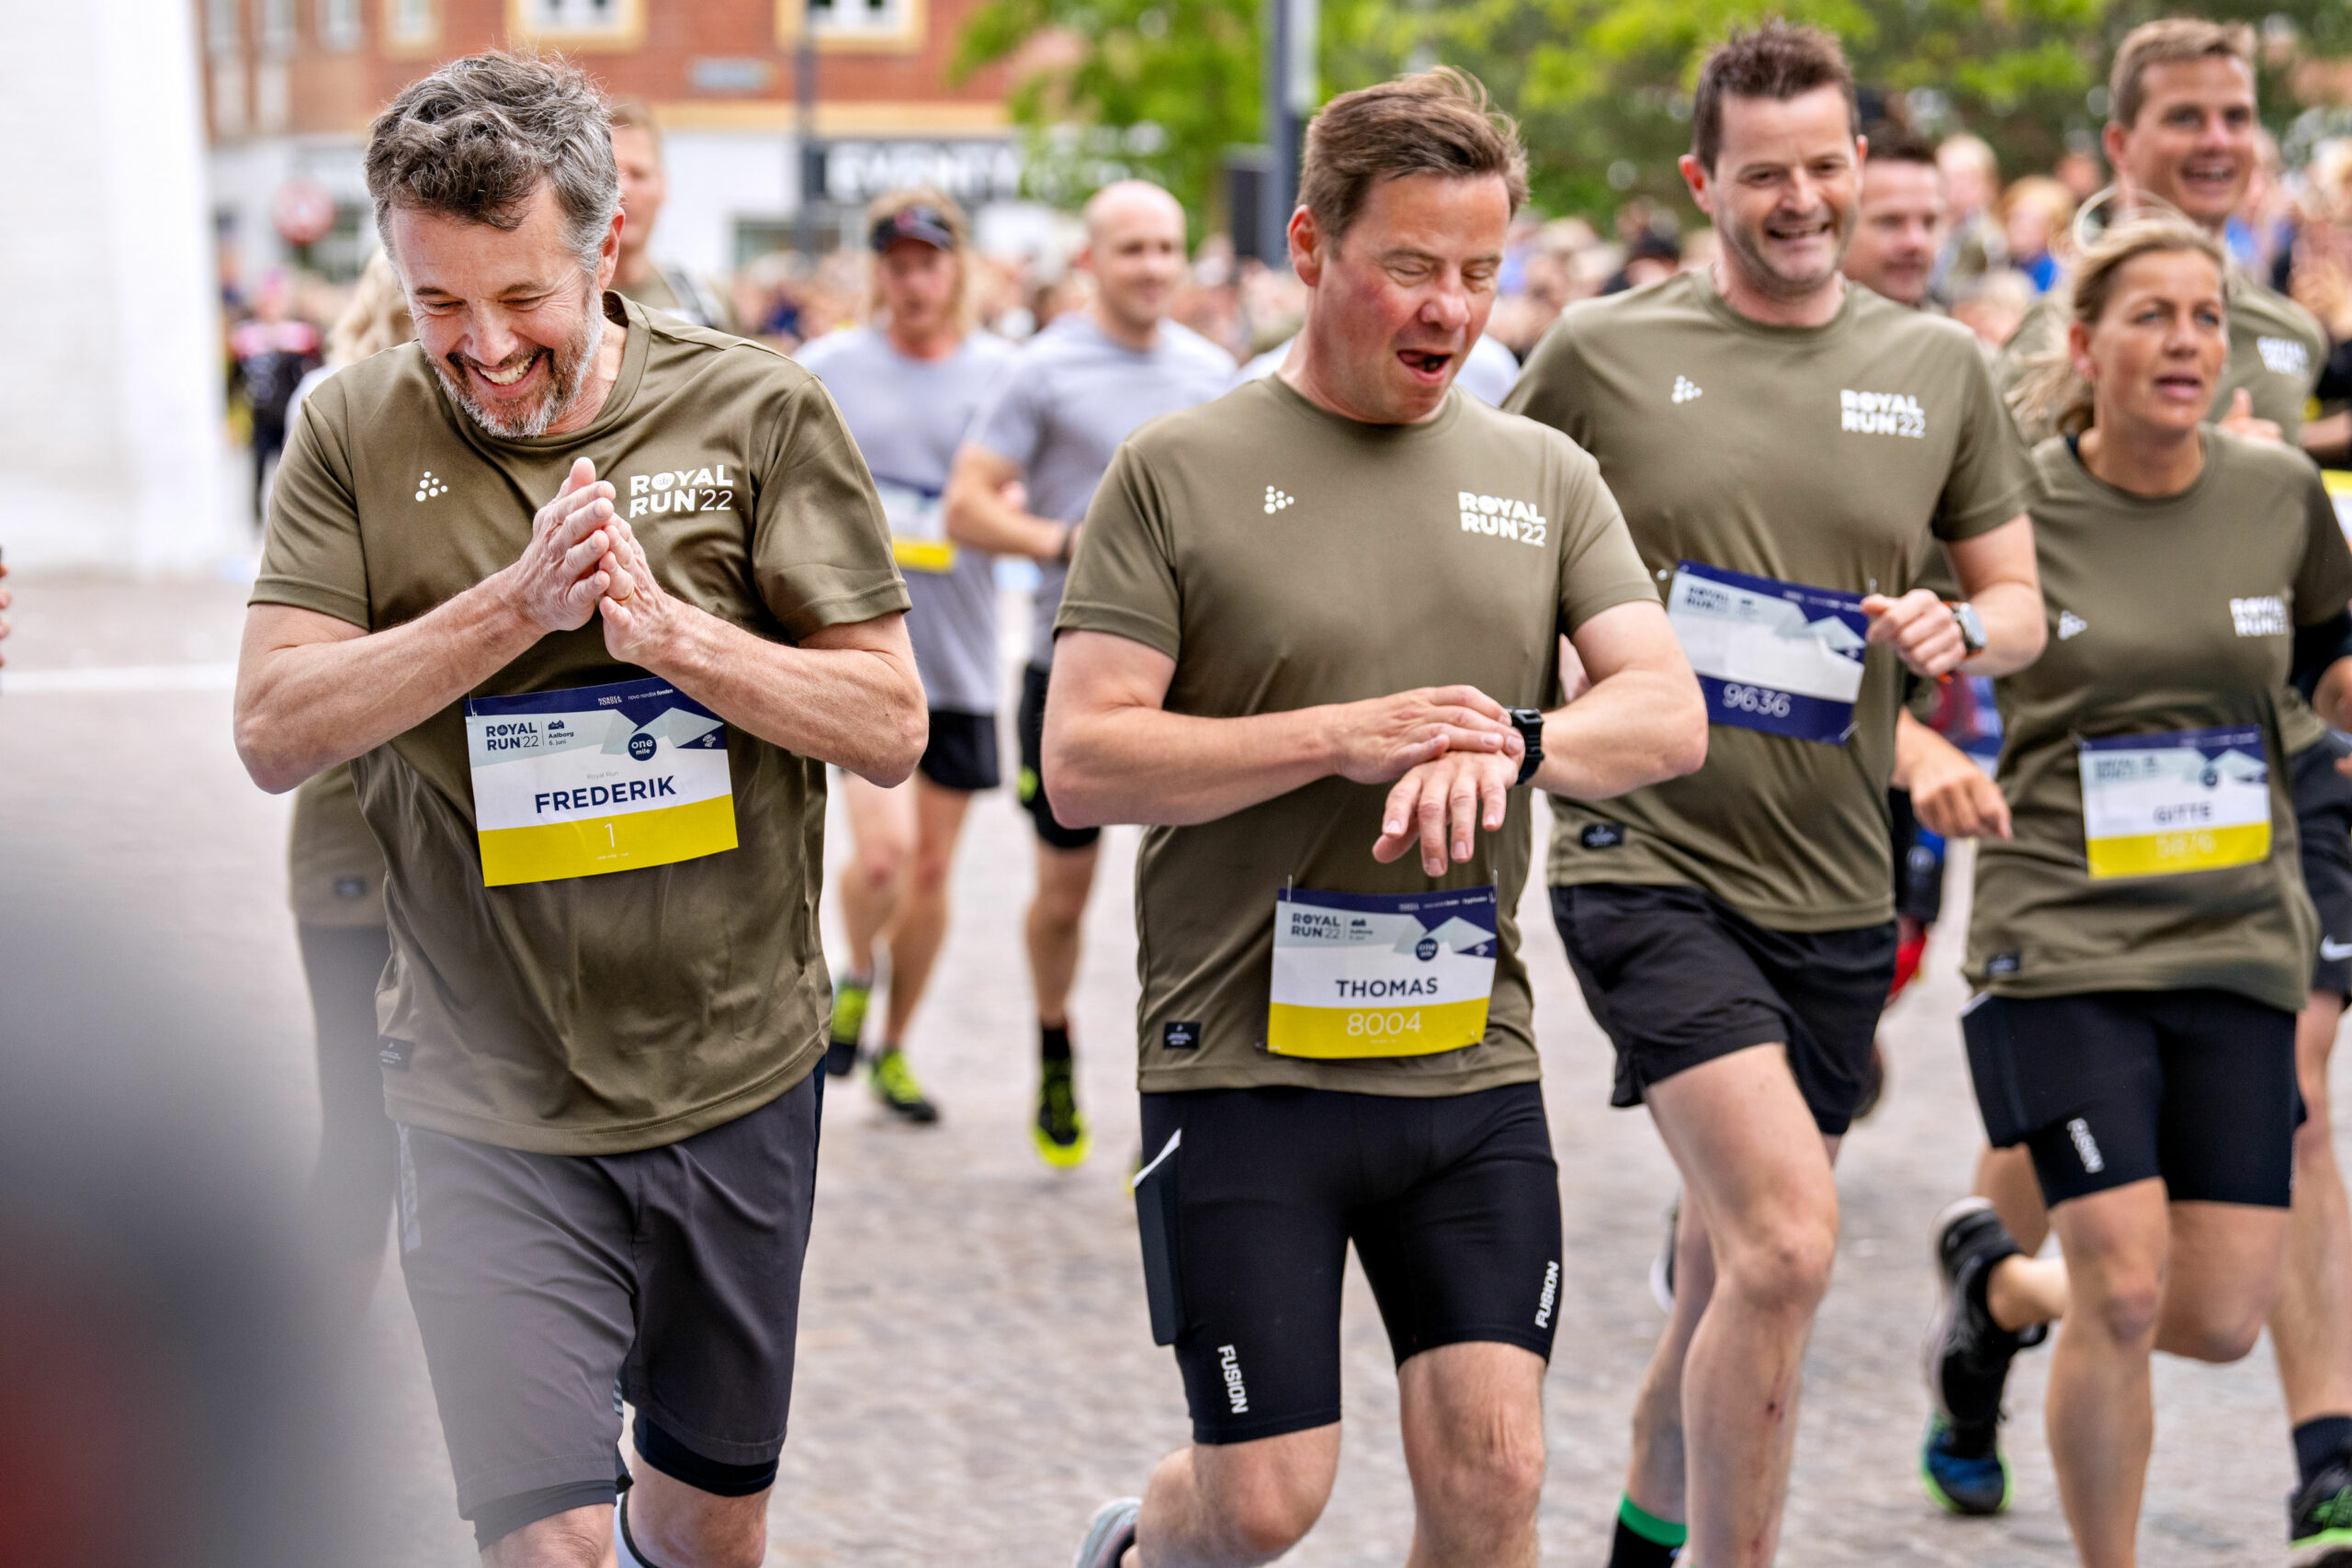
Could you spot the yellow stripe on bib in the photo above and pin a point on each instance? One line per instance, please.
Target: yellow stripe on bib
(2162, 854)
(596, 845)
(1337, 1033)
(925, 555)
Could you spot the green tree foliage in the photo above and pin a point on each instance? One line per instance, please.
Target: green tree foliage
(1601, 87)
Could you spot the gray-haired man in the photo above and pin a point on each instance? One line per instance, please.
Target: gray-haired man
(560, 573)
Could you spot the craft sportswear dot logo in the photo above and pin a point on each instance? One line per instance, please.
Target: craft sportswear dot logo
(1276, 500)
(1685, 389)
(429, 486)
(2071, 625)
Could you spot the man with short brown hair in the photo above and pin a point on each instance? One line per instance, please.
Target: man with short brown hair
(1899, 219)
(645, 187)
(1782, 443)
(1306, 639)
(588, 719)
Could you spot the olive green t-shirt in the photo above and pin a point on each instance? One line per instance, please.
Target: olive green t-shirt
(1816, 455)
(2276, 350)
(2167, 616)
(334, 870)
(594, 1014)
(1285, 557)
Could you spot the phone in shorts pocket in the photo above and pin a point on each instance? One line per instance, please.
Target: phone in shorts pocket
(1155, 1189)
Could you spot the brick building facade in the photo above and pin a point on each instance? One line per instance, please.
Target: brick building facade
(290, 87)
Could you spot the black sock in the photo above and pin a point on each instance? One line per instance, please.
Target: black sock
(2320, 1442)
(1631, 1551)
(1053, 1042)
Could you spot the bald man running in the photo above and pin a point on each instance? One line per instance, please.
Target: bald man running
(1049, 427)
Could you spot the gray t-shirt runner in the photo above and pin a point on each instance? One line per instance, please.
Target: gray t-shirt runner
(908, 417)
(1062, 407)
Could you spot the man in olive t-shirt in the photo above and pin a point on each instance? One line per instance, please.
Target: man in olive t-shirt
(589, 719)
(1783, 445)
(1306, 638)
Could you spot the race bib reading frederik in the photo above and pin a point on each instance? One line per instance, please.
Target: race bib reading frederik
(1773, 655)
(2160, 805)
(918, 518)
(596, 778)
(1374, 974)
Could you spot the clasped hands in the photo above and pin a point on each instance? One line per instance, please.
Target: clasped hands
(584, 560)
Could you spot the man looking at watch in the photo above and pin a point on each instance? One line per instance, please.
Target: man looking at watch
(1335, 1027)
(1783, 444)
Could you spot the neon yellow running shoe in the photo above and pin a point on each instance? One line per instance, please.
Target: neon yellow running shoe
(1059, 1131)
(851, 996)
(895, 1087)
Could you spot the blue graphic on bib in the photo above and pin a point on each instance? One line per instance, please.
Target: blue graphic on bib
(1770, 656)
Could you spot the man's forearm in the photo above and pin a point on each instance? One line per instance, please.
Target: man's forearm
(857, 708)
(1143, 764)
(977, 520)
(304, 706)
(1632, 729)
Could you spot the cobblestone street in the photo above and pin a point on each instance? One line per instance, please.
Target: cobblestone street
(976, 1372)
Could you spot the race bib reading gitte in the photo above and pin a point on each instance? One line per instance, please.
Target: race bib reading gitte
(596, 778)
(1773, 655)
(918, 518)
(1381, 975)
(2161, 805)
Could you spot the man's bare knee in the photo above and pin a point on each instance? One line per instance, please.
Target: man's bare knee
(1492, 1472)
(2126, 1308)
(1261, 1502)
(577, 1538)
(1784, 1267)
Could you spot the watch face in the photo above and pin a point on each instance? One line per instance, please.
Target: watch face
(1971, 626)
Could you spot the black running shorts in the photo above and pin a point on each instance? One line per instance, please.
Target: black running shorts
(1032, 726)
(1676, 979)
(961, 752)
(2324, 829)
(548, 1286)
(2109, 1088)
(1249, 1197)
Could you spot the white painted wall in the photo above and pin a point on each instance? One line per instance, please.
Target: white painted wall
(109, 372)
(716, 178)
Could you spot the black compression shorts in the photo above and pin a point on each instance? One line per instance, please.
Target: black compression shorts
(1032, 726)
(2109, 1087)
(1250, 1197)
(961, 752)
(1676, 979)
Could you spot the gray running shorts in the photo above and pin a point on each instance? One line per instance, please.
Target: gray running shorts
(548, 1286)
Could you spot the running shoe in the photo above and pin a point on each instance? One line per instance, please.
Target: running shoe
(850, 997)
(1059, 1132)
(1962, 1480)
(1968, 1364)
(1112, 1531)
(2319, 1526)
(1662, 1263)
(895, 1087)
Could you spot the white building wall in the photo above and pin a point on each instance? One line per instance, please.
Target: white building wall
(110, 397)
(715, 178)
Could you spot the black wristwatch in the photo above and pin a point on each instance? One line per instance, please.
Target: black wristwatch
(1529, 722)
(1972, 626)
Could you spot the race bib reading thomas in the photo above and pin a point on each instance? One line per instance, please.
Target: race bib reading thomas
(1773, 655)
(1374, 975)
(2161, 805)
(596, 778)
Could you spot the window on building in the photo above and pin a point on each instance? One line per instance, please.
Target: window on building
(579, 15)
(278, 26)
(339, 25)
(412, 24)
(222, 26)
(861, 18)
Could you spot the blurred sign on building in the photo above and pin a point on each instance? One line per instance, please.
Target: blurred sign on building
(290, 87)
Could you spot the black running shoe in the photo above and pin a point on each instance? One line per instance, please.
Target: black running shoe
(1109, 1534)
(2319, 1518)
(1968, 1364)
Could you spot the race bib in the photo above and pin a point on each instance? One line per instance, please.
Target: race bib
(596, 778)
(1772, 656)
(2160, 805)
(2339, 491)
(1381, 975)
(918, 519)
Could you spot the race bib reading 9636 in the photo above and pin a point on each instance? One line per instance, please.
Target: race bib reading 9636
(596, 778)
(1773, 655)
(2160, 805)
(1381, 975)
